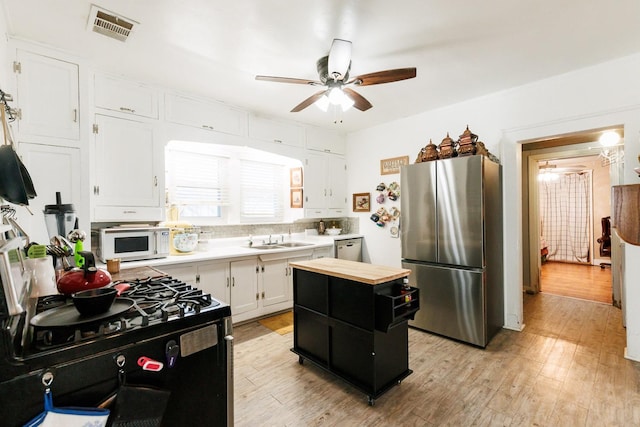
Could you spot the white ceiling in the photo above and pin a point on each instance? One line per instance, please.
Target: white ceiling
(462, 49)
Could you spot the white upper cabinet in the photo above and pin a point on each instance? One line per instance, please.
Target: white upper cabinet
(47, 97)
(276, 131)
(325, 193)
(127, 171)
(325, 140)
(208, 115)
(52, 169)
(125, 96)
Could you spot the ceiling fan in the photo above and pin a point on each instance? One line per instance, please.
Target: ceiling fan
(333, 72)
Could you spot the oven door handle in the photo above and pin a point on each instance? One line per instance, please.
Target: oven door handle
(229, 345)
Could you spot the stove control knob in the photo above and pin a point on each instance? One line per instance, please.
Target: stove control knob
(172, 350)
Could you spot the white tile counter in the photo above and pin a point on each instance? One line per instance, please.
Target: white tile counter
(237, 247)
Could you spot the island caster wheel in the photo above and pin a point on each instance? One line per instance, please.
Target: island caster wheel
(300, 360)
(371, 401)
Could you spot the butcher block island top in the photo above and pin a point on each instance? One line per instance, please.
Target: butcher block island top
(352, 270)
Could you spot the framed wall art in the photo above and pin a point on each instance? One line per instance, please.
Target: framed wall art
(362, 202)
(296, 197)
(295, 177)
(392, 165)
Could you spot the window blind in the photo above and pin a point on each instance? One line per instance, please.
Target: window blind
(198, 179)
(261, 187)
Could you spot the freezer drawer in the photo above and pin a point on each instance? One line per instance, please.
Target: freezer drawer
(452, 302)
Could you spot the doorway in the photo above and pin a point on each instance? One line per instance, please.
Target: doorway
(569, 269)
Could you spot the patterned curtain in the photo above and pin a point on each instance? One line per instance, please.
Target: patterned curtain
(565, 209)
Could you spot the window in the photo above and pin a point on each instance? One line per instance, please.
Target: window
(197, 181)
(221, 184)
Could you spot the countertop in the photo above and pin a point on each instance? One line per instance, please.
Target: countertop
(352, 270)
(238, 247)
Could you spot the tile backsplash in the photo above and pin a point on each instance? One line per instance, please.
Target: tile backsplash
(348, 225)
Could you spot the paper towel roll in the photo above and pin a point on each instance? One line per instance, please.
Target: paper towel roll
(43, 276)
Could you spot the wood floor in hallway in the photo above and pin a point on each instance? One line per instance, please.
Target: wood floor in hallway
(566, 368)
(578, 281)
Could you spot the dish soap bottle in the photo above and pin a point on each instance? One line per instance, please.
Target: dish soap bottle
(321, 227)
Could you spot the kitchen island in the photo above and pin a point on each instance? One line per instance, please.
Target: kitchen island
(350, 319)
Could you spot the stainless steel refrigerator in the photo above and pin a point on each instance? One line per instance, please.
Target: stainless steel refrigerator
(451, 231)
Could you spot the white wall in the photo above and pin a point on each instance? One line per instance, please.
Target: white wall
(4, 53)
(603, 95)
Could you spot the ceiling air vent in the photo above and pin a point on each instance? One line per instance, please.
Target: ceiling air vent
(110, 24)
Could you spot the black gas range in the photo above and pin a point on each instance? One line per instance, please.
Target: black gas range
(160, 334)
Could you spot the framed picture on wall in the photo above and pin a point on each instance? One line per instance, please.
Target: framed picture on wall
(296, 197)
(295, 177)
(362, 202)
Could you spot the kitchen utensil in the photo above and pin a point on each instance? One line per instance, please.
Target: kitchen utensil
(16, 185)
(121, 287)
(68, 315)
(87, 277)
(77, 236)
(59, 218)
(37, 251)
(333, 231)
(94, 301)
(321, 227)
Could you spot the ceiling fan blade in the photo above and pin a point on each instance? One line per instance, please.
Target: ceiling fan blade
(359, 101)
(339, 59)
(387, 76)
(310, 100)
(288, 80)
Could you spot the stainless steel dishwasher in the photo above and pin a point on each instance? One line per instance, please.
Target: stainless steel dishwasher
(349, 249)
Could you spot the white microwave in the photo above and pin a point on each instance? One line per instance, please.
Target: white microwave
(133, 243)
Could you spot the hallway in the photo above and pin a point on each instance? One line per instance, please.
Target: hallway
(578, 281)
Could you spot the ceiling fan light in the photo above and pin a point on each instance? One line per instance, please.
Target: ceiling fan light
(546, 176)
(336, 96)
(609, 139)
(323, 103)
(346, 102)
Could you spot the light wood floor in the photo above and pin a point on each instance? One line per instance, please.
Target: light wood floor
(578, 281)
(566, 368)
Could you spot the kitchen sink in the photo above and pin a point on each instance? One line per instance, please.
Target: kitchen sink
(280, 245)
(293, 244)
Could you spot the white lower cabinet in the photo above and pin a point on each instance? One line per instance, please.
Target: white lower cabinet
(210, 276)
(253, 287)
(274, 281)
(326, 252)
(244, 288)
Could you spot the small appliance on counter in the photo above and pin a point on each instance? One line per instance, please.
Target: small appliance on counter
(183, 237)
(133, 242)
(60, 218)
